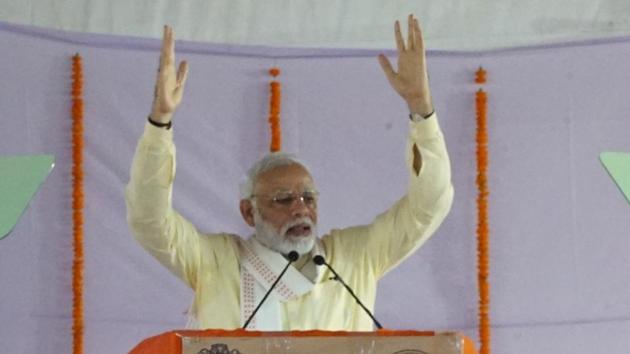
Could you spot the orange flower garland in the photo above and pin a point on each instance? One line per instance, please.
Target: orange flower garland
(274, 112)
(480, 76)
(483, 229)
(77, 204)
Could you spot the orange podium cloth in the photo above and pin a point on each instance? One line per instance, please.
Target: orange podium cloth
(241, 341)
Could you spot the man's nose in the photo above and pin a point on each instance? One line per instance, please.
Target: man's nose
(299, 207)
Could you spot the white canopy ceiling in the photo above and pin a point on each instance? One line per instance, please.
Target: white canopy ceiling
(448, 24)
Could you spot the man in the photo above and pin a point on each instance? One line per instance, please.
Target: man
(230, 274)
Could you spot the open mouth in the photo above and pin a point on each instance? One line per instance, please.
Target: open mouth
(299, 230)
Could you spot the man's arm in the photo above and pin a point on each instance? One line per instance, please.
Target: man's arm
(426, 143)
(157, 227)
(408, 224)
(404, 227)
(411, 81)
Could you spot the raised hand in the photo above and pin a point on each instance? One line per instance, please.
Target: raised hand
(169, 87)
(411, 81)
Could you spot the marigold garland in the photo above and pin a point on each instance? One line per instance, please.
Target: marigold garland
(480, 76)
(77, 204)
(274, 112)
(483, 229)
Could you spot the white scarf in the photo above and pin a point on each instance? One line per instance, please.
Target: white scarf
(260, 267)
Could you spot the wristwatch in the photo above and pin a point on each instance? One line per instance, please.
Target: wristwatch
(417, 117)
(166, 126)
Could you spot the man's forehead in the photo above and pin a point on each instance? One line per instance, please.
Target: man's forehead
(287, 177)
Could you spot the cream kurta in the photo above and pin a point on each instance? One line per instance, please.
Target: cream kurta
(209, 263)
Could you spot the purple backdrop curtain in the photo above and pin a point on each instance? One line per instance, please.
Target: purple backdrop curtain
(559, 226)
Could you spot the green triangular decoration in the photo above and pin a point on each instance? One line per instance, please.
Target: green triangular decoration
(618, 166)
(20, 178)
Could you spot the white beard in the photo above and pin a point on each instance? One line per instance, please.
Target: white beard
(280, 241)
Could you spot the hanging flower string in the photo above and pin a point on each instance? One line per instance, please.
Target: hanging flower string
(77, 204)
(480, 76)
(483, 229)
(274, 112)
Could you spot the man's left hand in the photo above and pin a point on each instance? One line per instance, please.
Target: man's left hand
(411, 81)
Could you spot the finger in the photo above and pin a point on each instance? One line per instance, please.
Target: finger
(410, 33)
(387, 68)
(164, 49)
(419, 42)
(160, 69)
(170, 46)
(166, 54)
(400, 44)
(182, 73)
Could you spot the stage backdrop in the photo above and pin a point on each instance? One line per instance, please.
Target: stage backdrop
(559, 226)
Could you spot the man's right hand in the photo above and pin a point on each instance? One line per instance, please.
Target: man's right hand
(169, 87)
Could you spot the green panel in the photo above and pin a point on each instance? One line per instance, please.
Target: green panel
(618, 166)
(20, 178)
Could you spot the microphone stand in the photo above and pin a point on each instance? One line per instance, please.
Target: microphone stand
(293, 256)
(319, 260)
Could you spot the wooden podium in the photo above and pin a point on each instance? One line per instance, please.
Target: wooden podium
(305, 342)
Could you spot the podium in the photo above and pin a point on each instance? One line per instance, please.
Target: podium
(305, 342)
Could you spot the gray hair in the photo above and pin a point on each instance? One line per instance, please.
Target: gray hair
(267, 163)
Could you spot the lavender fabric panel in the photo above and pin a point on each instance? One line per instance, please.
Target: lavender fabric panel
(36, 258)
(558, 223)
(583, 337)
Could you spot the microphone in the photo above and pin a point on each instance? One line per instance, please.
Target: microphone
(292, 256)
(319, 260)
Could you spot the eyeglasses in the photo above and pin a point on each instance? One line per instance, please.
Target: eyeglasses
(286, 199)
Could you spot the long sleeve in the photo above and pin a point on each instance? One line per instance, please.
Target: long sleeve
(403, 228)
(156, 226)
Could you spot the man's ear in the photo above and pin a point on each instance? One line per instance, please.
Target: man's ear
(247, 211)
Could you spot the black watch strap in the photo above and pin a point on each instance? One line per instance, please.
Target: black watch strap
(167, 126)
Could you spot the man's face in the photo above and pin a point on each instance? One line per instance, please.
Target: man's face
(285, 210)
